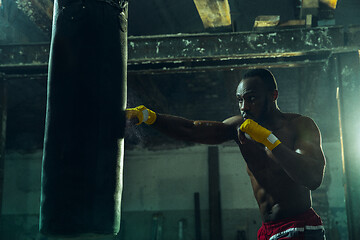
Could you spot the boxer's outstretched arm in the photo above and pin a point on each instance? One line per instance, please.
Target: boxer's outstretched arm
(206, 132)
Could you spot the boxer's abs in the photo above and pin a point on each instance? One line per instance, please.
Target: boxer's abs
(282, 201)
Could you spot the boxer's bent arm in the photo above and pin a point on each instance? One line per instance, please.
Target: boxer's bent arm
(306, 164)
(206, 132)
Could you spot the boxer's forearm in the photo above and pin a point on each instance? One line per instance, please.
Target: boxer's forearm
(174, 126)
(206, 132)
(305, 170)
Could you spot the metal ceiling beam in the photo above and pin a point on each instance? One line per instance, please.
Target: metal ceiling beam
(214, 13)
(201, 52)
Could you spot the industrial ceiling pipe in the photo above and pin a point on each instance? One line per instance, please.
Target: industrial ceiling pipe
(83, 144)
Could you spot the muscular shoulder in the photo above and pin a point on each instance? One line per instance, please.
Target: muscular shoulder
(292, 116)
(298, 120)
(304, 126)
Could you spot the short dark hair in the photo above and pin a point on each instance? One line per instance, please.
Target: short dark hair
(266, 76)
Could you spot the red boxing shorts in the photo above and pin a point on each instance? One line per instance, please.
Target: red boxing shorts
(307, 225)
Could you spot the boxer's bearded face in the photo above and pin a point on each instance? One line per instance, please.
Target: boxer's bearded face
(253, 99)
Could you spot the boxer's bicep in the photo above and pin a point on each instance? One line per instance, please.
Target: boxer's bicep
(210, 132)
(308, 141)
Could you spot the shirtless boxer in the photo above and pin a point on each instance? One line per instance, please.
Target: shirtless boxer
(282, 151)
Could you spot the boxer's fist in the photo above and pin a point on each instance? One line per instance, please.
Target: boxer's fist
(259, 134)
(142, 113)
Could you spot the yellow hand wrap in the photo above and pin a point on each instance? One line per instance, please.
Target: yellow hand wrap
(142, 113)
(260, 134)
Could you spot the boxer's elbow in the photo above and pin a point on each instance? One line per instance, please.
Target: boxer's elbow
(315, 180)
(314, 184)
(204, 132)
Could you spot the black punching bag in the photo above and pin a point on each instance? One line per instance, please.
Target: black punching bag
(85, 121)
